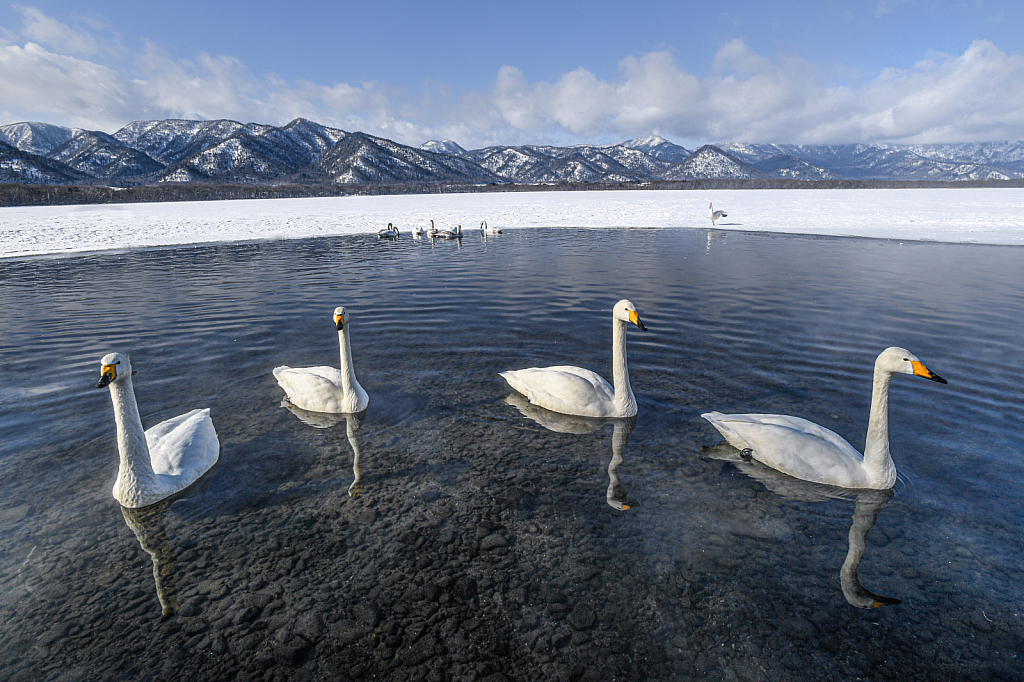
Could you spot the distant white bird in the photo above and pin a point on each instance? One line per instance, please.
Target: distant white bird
(489, 230)
(715, 215)
(167, 457)
(454, 233)
(417, 231)
(433, 231)
(389, 232)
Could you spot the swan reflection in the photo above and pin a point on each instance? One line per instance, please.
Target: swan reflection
(353, 429)
(565, 423)
(148, 525)
(867, 505)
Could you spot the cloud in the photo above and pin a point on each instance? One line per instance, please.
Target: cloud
(974, 96)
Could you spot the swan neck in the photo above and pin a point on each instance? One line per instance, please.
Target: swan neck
(864, 516)
(877, 462)
(624, 400)
(135, 471)
(348, 372)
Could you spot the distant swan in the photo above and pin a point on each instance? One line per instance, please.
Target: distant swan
(578, 391)
(810, 452)
(715, 215)
(489, 230)
(389, 232)
(417, 231)
(454, 233)
(433, 231)
(326, 389)
(163, 460)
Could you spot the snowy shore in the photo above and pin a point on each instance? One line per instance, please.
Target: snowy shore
(969, 215)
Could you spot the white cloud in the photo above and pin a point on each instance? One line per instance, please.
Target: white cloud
(978, 95)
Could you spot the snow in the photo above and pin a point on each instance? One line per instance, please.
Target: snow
(968, 215)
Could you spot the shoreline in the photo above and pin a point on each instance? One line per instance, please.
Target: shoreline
(963, 215)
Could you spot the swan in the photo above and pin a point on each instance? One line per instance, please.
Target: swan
(163, 460)
(578, 391)
(418, 231)
(433, 231)
(489, 230)
(810, 452)
(389, 232)
(326, 389)
(454, 233)
(715, 215)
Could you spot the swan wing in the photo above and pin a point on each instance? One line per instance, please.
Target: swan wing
(318, 389)
(183, 447)
(565, 389)
(794, 446)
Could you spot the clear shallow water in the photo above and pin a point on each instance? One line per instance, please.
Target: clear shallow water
(483, 543)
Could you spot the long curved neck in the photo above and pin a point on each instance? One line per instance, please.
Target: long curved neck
(355, 439)
(624, 399)
(348, 372)
(135, 471)
(864, 516)
(877, 462)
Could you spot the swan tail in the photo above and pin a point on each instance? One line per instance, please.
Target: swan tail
(733, 438)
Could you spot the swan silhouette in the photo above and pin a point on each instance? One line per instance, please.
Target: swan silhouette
(166, 458)
(577, 391)
(810, 452)
(353, 430)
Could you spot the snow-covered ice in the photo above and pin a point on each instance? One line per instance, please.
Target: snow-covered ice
(969, 215)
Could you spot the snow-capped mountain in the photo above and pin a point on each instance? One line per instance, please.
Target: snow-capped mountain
(711, 162)
(103, 156)
(306, 152)
(35, 138)
(659, 148)
(443, 147)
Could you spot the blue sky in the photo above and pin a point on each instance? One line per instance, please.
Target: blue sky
(483, 73)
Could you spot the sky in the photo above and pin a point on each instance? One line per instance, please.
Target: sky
(601, 71)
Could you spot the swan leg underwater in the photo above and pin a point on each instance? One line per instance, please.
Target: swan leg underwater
(166, 458)
(326, 389)
(577, 391)
(810, 452)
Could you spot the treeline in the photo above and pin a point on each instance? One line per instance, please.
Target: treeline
(61, 195)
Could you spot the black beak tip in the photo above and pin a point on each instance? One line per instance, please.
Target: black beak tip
(643, 327)
(936, 377)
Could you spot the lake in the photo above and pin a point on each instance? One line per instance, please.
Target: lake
(453, 533)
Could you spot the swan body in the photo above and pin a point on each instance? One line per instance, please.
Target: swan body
(389, 232)
(417, 231)
(326, 389)
(163, 460)
(489, 230)
(454, 233)
(577, 391)
(715, 215)
(804, 450)
(433, 231)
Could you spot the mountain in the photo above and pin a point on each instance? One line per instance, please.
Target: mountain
(659, 148)
(102, 156)
(309, 153)
(712, 162)
(443, 147)
(35, 138)
(25, 168)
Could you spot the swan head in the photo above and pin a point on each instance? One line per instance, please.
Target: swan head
(897, 360)
(626, 311)
(340, 317)
(114, 367)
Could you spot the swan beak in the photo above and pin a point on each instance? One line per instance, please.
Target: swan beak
(884, 601)
(107, 374)
(339, 321)
(922, 371)
(635, 319)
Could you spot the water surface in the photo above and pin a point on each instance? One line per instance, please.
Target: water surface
(479, 541)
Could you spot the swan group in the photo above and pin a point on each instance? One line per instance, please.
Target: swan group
(389, 232)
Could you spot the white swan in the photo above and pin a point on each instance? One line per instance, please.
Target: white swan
(389, 232)
(418, 231)
(454, 233)
(489, 230)
(163, 460)
(810, 452)
(715, 215)
(326, 389)
(578, 391)
(433, 231)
